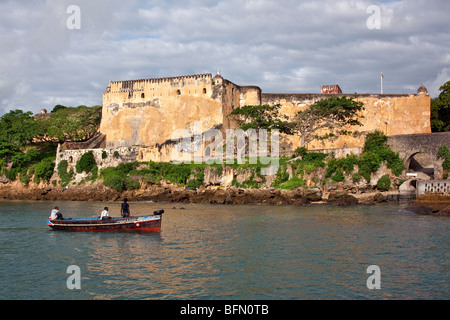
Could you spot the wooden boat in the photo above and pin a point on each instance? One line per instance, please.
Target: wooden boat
(150, 223)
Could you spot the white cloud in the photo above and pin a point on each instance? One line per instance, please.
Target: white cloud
(282, 46)
(442, 77)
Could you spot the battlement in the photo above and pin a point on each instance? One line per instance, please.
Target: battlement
(139, 85)
(309, 98)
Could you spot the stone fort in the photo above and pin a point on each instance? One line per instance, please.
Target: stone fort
(141, 119)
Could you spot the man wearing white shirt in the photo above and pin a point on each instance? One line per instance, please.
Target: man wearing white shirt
(56, 215)
(105, 214)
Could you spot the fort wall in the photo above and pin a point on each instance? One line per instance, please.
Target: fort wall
(392, 114)
(149, 115)
(149, 112)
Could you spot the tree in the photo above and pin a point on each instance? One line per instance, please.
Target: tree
(440, 110)
(58, 107)
(71, 124)
(262, 117)
(17, 129)
(329, 117)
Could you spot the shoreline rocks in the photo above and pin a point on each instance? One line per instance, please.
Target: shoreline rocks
(432, 204)
(437, 209)
(173, 194)
(238, 196)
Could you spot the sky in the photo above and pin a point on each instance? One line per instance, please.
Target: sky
(52, 54)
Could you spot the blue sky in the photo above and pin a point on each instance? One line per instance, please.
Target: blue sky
(282, 46)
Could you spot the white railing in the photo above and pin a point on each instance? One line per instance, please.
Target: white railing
(433, 186)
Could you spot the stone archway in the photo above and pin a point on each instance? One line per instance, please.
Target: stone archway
(421, 163)
(421, 149)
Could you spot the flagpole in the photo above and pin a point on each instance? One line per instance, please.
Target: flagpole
(382, 82)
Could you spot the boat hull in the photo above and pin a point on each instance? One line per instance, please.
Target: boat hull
(144, 223)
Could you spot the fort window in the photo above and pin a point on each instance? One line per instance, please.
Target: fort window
(204, 90)
(178, 92)
(142, 95)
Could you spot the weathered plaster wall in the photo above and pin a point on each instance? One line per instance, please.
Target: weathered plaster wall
(404, 114)
(113, 158)
(152, 111)
(149, 112)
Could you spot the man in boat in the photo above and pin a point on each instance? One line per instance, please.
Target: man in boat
(56, 215)
(105, 214)
(125, 208)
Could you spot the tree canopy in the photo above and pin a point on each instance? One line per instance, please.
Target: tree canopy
(327, 118)
(262, 117)
(71, 124)
(17, 129)
(440, 110)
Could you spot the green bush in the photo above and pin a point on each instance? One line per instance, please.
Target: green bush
(356, 177)
(132, 184)
(293, 183)
(94, 173)
(347, 163)
(197, 182)
(395, 163)
(86, 163)
(384, 183)
(338, 176)
(20, 158)
(332, 166)
(444, 154)
(281, 177)
(178, 174)
(24, 177)
(123, 177)
(375, 141)
(115, 182)
(300, 152)
(62, 167)
(12, 173)
(127, 167)
(343, 164)
(315, 157)
(376, 151)
(65, 176)
(151, 178)
(368, 162)
(44, 170)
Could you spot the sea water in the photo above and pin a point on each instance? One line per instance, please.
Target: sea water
(226, 252)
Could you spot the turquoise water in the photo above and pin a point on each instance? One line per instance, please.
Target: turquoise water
(227, 252)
